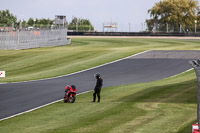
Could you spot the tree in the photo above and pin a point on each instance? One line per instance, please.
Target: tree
(24, 23)
(174, 14)
(83, 24)
(7, 18)
(30, 22)
(40, 22)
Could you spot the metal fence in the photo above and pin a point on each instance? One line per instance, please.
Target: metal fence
(33, 39)
(143, 27)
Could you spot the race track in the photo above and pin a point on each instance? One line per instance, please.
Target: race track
(149, 66)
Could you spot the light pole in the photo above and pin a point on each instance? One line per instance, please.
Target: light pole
(34, 23)
(13, 25)
(142, 26)
(129, 25)
(20, 25)
(167, 28)
(180, 28)
(103, 27)
(195, 26)
(77, 26)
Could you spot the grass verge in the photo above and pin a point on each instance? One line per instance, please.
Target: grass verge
(40, 63)
(165, 106)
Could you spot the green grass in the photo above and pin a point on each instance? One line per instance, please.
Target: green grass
(165, 106)
(40, 63)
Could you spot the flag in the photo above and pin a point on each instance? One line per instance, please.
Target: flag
(2, 74)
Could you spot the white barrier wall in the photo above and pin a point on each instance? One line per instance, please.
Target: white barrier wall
(33, 39)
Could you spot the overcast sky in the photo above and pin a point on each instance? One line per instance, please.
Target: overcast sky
(98, 11)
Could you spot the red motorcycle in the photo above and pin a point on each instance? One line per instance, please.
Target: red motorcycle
(70, 94)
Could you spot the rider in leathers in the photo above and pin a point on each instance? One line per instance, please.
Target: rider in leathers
(97, 88)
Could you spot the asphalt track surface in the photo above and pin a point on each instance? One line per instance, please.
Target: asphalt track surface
(149, 66)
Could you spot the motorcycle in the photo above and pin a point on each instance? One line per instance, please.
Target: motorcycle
(70, 94)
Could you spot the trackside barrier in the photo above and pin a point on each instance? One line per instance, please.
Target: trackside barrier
(196, 65)
(33, 39)
(195, 128)
(124, 34)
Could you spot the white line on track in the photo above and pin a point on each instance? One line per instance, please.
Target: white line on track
(79, 93)
(63, 76)
(38, 107)
(82, 70)
(181, 73)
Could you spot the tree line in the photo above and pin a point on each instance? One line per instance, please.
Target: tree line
(7, 19)
(78, 24)
(174, 15)
(166, 15)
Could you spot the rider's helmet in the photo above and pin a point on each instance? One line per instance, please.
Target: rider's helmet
(73, 87)
(67, 88)
(97, 75)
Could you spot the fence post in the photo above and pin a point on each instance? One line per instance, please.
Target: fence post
(17, 39)
(167, 28)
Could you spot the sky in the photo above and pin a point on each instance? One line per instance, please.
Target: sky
(128, 14)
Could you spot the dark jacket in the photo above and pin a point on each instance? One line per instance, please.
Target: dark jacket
(99, 84)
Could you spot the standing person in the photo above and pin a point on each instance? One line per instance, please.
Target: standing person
(97, 88)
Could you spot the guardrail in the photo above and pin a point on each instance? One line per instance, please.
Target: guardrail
(130, 34)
